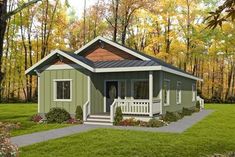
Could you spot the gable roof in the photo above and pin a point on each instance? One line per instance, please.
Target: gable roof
(123, 48)
(147, 63)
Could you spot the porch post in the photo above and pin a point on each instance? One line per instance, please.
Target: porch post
(160, 93)
(150, 93)
(38, 94)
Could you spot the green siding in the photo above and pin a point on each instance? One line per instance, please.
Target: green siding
(79, 89)
(97, 86)
(186, 89)
(80, 86)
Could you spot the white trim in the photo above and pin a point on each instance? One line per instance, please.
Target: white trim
(160, 92)
(62, 54)
(150, 93)
(55, 90)
(89, 91)
(168, 92)
(194, 92)
(105, 70)
(38, 94)
(62, 66)
(127, 69)
(180, 95)
(133, 53)
(146, 68)
(180, 73)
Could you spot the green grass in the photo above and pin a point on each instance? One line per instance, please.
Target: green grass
(214, 134)
(22, 113)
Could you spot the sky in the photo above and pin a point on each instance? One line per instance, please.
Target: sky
(78, 5)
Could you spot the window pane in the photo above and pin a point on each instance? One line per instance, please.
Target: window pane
(63, 89)
(66, 90)
(59, 89)
(122, 89)
(178, 93)
(141, 90)
(166, 90)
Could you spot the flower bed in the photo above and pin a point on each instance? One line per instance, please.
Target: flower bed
(154, 122)
(151, 123)
(7, 149)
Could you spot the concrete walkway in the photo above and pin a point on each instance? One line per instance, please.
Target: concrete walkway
(175, 127)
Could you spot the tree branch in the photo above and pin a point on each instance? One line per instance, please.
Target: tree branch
(18, 9)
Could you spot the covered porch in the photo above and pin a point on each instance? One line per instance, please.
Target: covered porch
(138, 94)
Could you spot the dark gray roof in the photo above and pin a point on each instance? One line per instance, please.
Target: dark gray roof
(80, 58)
(124, 63)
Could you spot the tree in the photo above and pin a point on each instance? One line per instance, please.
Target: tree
(223, 13)
(4, 16)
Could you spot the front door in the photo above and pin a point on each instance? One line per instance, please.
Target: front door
(111, 93)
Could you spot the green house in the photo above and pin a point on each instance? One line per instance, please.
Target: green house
(103, 75)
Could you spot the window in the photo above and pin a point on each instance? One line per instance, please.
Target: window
(122, 89)
(193, 92)
(178, 93)
(62, 90)
(166, 92)
(140, 89)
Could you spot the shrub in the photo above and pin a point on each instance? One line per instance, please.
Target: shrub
(79, 113)
(36, 118)
(198, 105)
(57, 115)
(129, 122)
(186, 111)
(7, 149)
(118, 116)
(155, 123)
(171, 117)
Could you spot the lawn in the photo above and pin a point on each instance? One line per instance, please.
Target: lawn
(22, 113)
(214, 134)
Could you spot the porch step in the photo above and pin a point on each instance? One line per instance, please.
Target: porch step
(97, 122)
(99, 116)
(98, 119)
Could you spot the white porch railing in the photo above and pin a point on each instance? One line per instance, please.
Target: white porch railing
(135, 107)
(86, 110)
(201, 102)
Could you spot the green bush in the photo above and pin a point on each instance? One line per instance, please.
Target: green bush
(198, 105)
(57, 115)
(187, 111)
(79, 113)
(155, 123)
(118, 116)
(171, 117)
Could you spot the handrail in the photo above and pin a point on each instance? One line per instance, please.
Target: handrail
(201, 102)
(113, 110)
(86, 110)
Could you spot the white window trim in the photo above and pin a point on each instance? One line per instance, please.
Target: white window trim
(55, 90)
(180, 96)
(194, 92)
(132, 87)
(168, 93)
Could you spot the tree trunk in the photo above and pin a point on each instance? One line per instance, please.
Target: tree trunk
(3, 25)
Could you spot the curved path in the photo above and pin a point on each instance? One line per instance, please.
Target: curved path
(175, 127)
